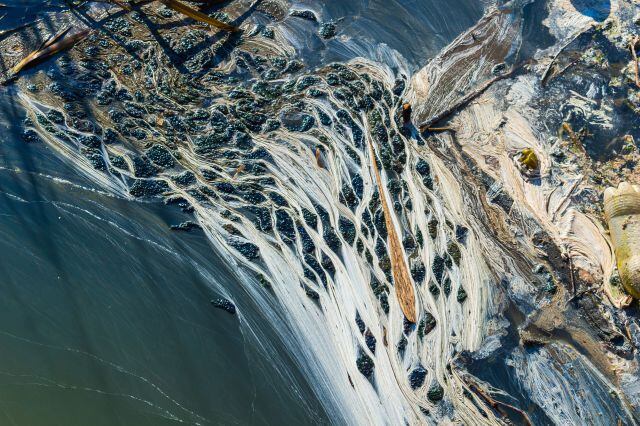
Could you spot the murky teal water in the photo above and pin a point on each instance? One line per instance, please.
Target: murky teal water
(104, 311)
(105, 316)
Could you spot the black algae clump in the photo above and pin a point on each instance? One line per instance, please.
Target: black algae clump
(284, 225)
(304, 14)
(332, 240)
(327, 264)
(184, 179)
(462, 295)
(425, 171)
(436, 393)
(461, 233)
(225, 305)
(327, 30)
(297, 122)
(398, 88)
(433, 289)
(407, 326)
(30, 136)
(454, 252)
(427, 324)
(438, 268)
(418, 272)
(370, 340)
(447, 286)
(365, 364)
(312, 294)
(143, 168)
(402, 346)
(307, 243)
(360, 323)
(185, 226)
(310, 218)
(278, 199)
(433, 228)
(417, 376)
(160, 156)
(148, 188)
(248, 250)
(347, 229)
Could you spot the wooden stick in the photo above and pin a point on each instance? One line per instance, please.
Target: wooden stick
(494, 403)
(401, 277)
(632, 44)
(50, 48)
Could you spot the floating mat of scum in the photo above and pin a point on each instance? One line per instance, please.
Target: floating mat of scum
(278, 165)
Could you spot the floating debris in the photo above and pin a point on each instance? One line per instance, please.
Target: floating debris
(399, 268)
(54, 45)
(529, 159)
(622, 210)
(225, 305)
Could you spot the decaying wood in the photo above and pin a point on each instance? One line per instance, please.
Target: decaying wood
(439, 129)
(494, 403)
(632, 45)
(401, 277)
(54, 45)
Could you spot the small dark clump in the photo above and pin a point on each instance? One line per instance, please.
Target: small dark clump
(427, 324)
(224, 304)
(185, 226)
(304, 14)
(417, 376)
(327, 30)
(365, 364)
(370, 340)
(435, 393)
(462, 295)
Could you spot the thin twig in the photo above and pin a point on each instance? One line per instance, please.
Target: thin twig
(632, 44)
(494, 403)
(462, 102)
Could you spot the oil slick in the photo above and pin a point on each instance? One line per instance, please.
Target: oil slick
(328, 202)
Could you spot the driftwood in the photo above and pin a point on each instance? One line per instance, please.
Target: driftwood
(632, 45)
(54, 45)
(399, 268)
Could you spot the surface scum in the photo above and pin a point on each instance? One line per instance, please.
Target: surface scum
(278, 165)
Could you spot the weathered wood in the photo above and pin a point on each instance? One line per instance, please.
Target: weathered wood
(401, 277)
